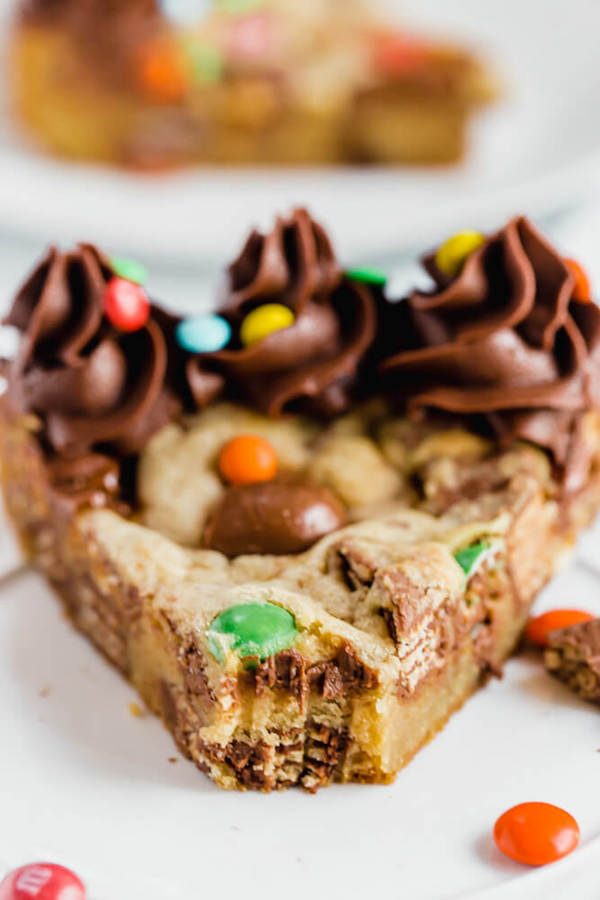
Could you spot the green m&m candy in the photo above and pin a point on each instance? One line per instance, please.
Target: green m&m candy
(252, 629)
(470, 556)
(129, 269)
(368, 275)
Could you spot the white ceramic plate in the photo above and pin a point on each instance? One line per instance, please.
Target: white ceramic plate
(534, 152)
(86, 783)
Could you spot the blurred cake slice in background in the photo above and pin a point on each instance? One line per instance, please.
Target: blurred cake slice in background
(153, 84)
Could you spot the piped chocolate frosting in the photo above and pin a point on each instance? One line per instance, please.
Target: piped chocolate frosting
(90, 384)
(313, 364)
(508, 344)
(504, 341)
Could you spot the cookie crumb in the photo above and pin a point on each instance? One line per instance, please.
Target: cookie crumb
(136, 710)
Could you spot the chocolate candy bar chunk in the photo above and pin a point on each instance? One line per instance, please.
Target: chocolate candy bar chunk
(573, 656)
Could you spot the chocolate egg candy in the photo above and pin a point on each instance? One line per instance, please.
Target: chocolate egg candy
(280, 516)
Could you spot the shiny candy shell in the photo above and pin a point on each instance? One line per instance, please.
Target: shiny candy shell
(253, 629)
(536, 833)
(263, 321)
(203, 334)
(367, 275)
(539, 627)
(126, 304)
(453, 253)
(248, 459)
(161, 72)
(468, 557)
(42, 881)
(129, 269)
(582, 290)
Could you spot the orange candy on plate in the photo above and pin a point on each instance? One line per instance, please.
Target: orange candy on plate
(537, 628)
(247, 459)
(582, 290)
(536, 834)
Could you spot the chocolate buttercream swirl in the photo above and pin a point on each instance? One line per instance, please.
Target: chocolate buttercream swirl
(505, 341)
(312, 364)
(90, 384)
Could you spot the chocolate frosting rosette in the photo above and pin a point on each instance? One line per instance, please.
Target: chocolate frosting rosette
(311, 361)
(509, 339)
(93, 384)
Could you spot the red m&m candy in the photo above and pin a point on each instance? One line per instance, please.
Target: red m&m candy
(42, 881)
(536, 833)
(126, 304)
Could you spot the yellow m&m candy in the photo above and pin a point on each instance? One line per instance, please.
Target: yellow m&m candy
(452, 254)
(263, 321)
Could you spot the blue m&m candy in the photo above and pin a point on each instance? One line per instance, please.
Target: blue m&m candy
(203, 334)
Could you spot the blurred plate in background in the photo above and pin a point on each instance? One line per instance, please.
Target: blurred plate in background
(536, 151)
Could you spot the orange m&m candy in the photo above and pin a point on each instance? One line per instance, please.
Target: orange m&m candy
(160, 72)
(538, 627)
(246, 459)
(582, 290)
(536, 833)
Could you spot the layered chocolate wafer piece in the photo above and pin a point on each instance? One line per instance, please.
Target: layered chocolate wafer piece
(573, 656)
(307, 526)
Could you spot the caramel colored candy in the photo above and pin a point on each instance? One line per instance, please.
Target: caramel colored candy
(280, 516)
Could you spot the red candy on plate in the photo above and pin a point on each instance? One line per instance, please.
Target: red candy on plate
(538, 628)
(536, 833)
(126, 304)
(42, 881)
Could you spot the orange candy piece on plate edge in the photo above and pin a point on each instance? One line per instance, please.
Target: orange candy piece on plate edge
(536, 834)
(537, 628)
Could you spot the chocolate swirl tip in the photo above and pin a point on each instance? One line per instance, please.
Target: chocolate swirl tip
(505, 340)
(91, 383)
(294, 262)
(313, 364)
